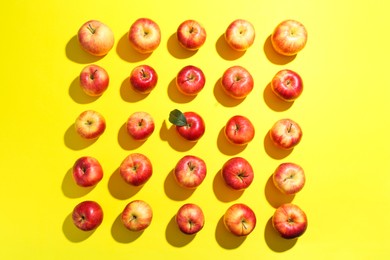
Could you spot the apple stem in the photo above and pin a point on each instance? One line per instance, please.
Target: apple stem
(289, 128)
(91, 29)
(191, 166)
(243, 224)
(93, 74)
(140, 122)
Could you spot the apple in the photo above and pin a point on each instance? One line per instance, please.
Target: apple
(239, 130)
(289, 178)
(90, 124)
(136, 169)
(137, 215)
(190, 80)
(240, 35)
(237, 82)
(290, 221)
(87, 171)
(143, 79)
(287, 85)
(95, 38)
(237, 173)
(87, 215)
(189, 125)
(286, 134)
(191, 35)
(190, 218)
(140, 125)
(240, 219)
(190, 171)
(289, 37)
(94, 80)
(144, 35)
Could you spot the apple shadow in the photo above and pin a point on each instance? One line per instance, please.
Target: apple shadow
(225, 239)
(74, 141)
(75, 53)
(223, 98)
(272, 150)
(78, 95)
(273, 56)
(127, 53)
(70, 188)
(225, 146)
(274, 241)
(176, 50)
(126, 141)
(128, 94)
(274, 102)
(225, 51)
(175, 237)
(223, 192)
(176, 96)
(121, 234)
(274, 197)
(173, 138)
(120, 189)
(173, 190)
(72, 233)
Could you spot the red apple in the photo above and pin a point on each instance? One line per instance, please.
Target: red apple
(289, 178)
(240, 219)
(90, 124)
(190, 80)
(239, 130)
(95, 38)
(237, 82)
(94, 80)
(190, 171)
(140, 125)
(287, 85)
(136, 169)
(137, 215)
(290, 221)
(286, 134)
(237, 173)
(144, 35)
(191, 35)
(87, 171)
(190, 219)
(289, 37)
(87, 215)
(240, 35)
(189, 125)
(143, 79)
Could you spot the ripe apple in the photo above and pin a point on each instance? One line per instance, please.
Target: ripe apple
(143, 79)
(95, 38)
(87, 215)
(144, 35)
(90, 124)
(289, 37)
(190, 80)
(94, 80)
(189, 125)
(137, 215)
(191, 35)
(287, 85)
(240, 35)
(190, 171)
(239, 130)
(136, 169)
(290, 221)
(237, 82)
(289, 178)
(190, 218)
(286, 133)
(237, 173)
(240, 219)
(140, 125)
(87, 171)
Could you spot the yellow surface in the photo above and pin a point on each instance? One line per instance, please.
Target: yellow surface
(344, 113)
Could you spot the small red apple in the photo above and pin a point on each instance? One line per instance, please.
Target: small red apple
(287, 85)
(136, 169)
(190, 171)
(237, 82)
(96, 38)
(190, 80)
(191, 35)
(286, 134)
(144, 35)
(240, 35)
(94, 80)
(189, 125)
(137, 215)
(289, 178)
(87, 171)
(190, 219)
(143, 79)
(289, 37)
(240, 219)
(87, 215)
(140, 125)
(237, 173)
(290, 221)
(90, 124)
(239, 130)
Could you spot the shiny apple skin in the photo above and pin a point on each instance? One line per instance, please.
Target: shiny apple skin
(136, 169)
(144, 35)
(239, 130)
(90, 124)
(137, 215)
(190, 219)
(286, 134)
(237, 173)
(289, 178)
(287, 85)
(94, 80)
(290, 221)
(143, 79)
(96, 38)
(194, 129)
(289, 37)
(191, 35)
(237, 82)
(87, 215)
(190, 80)
(240, 219)
(140, 125)
(240, 35)
(87, 171)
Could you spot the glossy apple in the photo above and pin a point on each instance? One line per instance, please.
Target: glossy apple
(190, 219)
(286, 133)
(136, 169)
(287, 85)
(237, 82)
(237, 173)
(190, 171)
(240, 219)
(289, 37)
(144, 35)
(190, 80)
(87, 171)
(289, 178)
(143, 79)
(140, 125)
(191, 35)
(90, 124)
(290, 221)
(94, 80)
(95, 38)
(87, 215)
(137, 215)
(189, 125)
(240, 35)
(239, 130)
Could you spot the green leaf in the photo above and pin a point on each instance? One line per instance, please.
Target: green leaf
(176, 117)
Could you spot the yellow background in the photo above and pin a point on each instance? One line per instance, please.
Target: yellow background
(343, 111)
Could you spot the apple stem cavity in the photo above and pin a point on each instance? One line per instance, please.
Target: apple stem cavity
(93, 74)
(176, 117)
